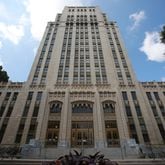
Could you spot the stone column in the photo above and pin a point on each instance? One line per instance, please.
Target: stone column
(98, 123)
(13, 123)
(63, 142)
(121, 119)
(42, 117)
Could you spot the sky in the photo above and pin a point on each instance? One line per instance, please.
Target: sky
(22, 24)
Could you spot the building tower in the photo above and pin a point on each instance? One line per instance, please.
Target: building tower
(82, 90)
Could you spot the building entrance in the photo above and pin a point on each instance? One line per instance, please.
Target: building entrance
(82, 134)
(112, 133)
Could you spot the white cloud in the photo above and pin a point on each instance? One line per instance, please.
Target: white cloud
(153, 48)
(137, 18)
(24, 20)
(1, 45)
(163, 79)
(11, 31)
(42, 11)
(14, 33)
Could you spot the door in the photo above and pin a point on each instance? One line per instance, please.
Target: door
(82, 134)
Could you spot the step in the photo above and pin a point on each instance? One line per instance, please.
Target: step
(142, 162)
(20, 162)
(120, 162)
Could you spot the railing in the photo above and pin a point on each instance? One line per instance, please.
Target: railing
(51, 142)
(152, 151)
(83, 143)
(113, 142)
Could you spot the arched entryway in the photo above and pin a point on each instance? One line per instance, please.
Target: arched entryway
(53, 128)
(111, 130)
(82, 133)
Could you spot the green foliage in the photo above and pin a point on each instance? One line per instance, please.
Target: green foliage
(162, 35)
(3, 75)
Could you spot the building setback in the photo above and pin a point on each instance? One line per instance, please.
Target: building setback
(82, 90)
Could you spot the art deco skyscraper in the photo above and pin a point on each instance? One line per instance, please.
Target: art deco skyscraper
(82, 89)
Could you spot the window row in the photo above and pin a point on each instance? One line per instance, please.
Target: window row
(81, 10)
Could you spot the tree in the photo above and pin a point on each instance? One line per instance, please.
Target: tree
(162, 34)
(3, 75)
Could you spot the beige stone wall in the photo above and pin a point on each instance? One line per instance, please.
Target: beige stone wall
(68, 93)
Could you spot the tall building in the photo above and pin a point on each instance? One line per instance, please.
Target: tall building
(82, 90)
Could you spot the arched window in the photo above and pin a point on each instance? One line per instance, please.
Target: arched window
(108, 106)
(55, 107)
(82, 107)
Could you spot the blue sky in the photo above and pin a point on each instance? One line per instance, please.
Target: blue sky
(22, 23)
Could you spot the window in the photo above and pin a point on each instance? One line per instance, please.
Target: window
(146, 137)
(161, 128)
(43, 80)
(164, 93)
(109, 107)
(82, 131)
(39, 95)
(82, 107)
(9, 111)
(128, 111)
(55, 107)
(162, 109)
(30, 95)
(110, 124)
(25, 112)
(149, 95)
(119, 74)
(128, 74)
(156, 96)
(124, 94)
(35, 111)
(52, 133)
(53, 124)
(2, 109)
(7, 96)
(20, 130)
(4, 104)
(27, 105)
(32, 130)
(18, 138)
(154, 110)
(2, 131)
(133, 95)
(15, 96)
(112, 134)
(138, 110)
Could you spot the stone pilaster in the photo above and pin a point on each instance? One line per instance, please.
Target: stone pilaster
(98, 123)
(63, 142)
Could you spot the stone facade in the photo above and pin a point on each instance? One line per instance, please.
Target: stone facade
(81, 91)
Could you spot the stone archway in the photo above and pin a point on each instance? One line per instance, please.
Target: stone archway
(53, 128)
(111, 130)
(82, 132)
